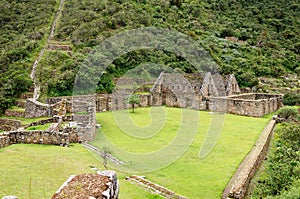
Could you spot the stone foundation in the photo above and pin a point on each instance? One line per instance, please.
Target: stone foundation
(9, 125)
(4, 141)
(252, 104)
(39, 137)
(101, 185)
(12, 113)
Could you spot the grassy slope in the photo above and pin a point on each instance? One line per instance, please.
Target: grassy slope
(190, 176)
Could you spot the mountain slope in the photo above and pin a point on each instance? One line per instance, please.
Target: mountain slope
(248, 38)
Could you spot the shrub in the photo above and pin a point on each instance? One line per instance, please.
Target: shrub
(281, 174)
(291, 99)
(287, 113)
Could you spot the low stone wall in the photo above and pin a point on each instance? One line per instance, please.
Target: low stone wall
(38, 137)
(12, 113)
(238, 186)
(4, 141)
(245, 96)
(62, 138)
(68, 118)
(101, 185)
(253, 105)
(9, 125)
(155, 187)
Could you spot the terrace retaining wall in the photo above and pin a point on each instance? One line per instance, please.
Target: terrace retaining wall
(39, 137)
(12, 113)
(238, 186)
(9, 124)
(4, 141)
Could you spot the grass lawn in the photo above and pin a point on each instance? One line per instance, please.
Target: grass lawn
(37, 171)
(39, 127)
(189, 175)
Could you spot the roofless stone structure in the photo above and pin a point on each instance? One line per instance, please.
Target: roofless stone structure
(211, 92)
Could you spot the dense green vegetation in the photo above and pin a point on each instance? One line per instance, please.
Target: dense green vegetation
(189, 175)
(267, 30)
(291, 99)
(265, 42)
(280, 175)
(24, 27)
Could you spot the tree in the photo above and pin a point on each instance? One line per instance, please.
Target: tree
(133, 100)
(105, 153)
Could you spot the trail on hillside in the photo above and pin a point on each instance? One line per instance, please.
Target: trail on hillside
(41, 54)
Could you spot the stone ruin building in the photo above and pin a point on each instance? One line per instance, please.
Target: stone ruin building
(210, 92)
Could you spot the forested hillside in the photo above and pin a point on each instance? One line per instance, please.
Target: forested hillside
(248, 38)
(24, 27)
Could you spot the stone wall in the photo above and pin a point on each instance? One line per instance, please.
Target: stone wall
(4, 141)
(231, 84)
(101, 185)
(253, 105)
(37, 137)
(9, 125)
(68, 118)
(62, 138)
(238, 186)
(84, 113)
(245, 96)
(250, 104)
(155, 188)
(37, 109)
(12, 113)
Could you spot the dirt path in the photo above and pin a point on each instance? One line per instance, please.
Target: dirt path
(41, 54)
